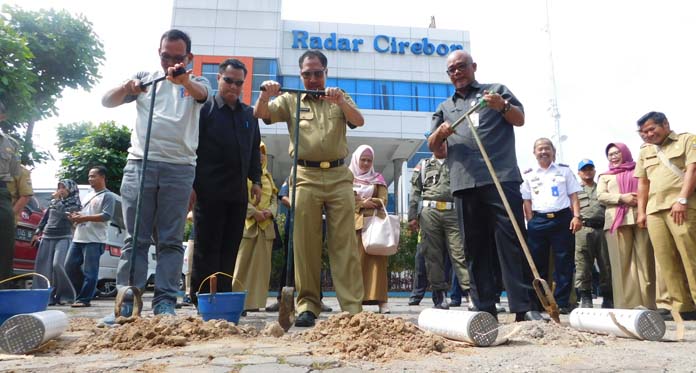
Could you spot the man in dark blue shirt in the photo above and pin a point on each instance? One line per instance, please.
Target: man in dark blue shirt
(481, 212)
(228, 154)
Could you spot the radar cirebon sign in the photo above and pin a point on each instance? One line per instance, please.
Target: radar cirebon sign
(381, 43)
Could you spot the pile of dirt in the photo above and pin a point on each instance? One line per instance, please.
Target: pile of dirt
(158, 331)
(373, 337)
(552, 334)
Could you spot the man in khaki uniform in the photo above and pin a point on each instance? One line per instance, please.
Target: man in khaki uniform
(590, 244)
(21, 190)
(9, 168)
(666, 170)
(323, 181)
(430, 188)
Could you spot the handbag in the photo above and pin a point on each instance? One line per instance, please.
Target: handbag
(381, 236)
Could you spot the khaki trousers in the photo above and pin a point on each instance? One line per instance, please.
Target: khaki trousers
(632, 267)
(675, 251)
(332, 189)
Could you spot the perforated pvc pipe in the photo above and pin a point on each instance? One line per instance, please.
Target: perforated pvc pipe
(477, 328)
(640, 324)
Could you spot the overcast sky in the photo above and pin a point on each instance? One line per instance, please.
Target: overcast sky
(613, 60)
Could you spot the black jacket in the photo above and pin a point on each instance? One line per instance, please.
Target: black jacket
(228, 151)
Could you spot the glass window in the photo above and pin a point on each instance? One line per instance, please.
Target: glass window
(347, 85)
(265, 66)
(210, 71)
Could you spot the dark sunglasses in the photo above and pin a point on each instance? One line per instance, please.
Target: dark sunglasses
(229, 80)
(315, 73)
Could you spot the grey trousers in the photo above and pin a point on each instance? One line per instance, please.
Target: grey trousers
(162, 219)
(50, 262)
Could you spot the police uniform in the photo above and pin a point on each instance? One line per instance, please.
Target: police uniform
(549, 228)
(20, 185)
(9, 168)
(322, 181)
(590, 245)
(674, 245)
(430, 189)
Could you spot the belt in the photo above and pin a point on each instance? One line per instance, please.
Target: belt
(323, 164)
(552, 215)
(593, 224)
(439, 205)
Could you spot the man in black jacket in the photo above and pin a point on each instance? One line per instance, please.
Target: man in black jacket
(228, 154)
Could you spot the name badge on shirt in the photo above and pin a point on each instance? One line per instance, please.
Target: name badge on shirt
(554, 191)
(474, 119)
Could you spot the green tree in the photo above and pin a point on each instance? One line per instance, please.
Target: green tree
(16, 76)
(86, 145)
(66, 54)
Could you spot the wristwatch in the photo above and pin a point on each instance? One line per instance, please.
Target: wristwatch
(682, 201)
(506, 107)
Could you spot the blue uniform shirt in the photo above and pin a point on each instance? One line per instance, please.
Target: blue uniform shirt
(549, 189)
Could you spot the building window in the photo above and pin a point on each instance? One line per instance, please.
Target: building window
(386, 94)
(264, 69)
(210, 71)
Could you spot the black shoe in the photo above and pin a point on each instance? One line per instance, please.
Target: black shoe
(414, 301)
(273, 307)
(663, 311)
(586, 299)
(607, 303)
(565, 310)
(440, 300)
(306, 319)
(325, 308)
(688, 316)
(529, 316)
(455, 303)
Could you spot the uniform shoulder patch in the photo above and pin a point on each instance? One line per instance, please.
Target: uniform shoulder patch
(527, 171)
(645, 144)
(562, 164)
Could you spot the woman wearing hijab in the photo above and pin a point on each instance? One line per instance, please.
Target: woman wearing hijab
(630, 252)
(370, 194)
(57, 235)
(252, 270)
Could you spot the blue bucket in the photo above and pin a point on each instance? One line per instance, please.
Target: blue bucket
(14, 302)
(220, 306)
(225, 306)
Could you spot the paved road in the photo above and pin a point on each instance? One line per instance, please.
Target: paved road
(284, 355)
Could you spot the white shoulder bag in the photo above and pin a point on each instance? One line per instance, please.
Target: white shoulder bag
(381, 236)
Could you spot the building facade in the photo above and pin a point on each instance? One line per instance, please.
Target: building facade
(395, 74)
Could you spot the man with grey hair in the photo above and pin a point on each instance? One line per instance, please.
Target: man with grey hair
(551, 207)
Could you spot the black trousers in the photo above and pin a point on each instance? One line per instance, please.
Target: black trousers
(488, 230)
(219, 228)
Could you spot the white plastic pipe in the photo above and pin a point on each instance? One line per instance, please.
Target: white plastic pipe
(477, 328)
(640, 324)
(25, 332)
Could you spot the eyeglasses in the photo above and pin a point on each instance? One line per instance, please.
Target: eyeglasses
(229, 80)
(316, 73)
(460, 67)
(613, 154)
(176, 59)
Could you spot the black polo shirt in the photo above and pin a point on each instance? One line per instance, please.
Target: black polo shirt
(228, 151)
(467, 168)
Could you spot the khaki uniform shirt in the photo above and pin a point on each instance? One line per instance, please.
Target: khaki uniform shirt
(9, 159)
(20, 185)
(430, 181)
(590, 208)
(322, 126)
(665, 186)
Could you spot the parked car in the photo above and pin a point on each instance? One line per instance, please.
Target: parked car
(25, 252)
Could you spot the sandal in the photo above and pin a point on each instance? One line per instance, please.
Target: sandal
(79, 304)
